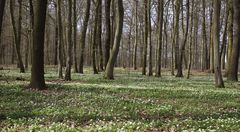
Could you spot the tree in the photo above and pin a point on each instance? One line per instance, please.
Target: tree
(95, 37)
(204, 38)
(234, 60)
(2, 6)
(216, 36)
(75, 36)
(136, 37)
(37, 73)
(182, 48)
(118, 35)
(70, 45)
(149, 38)
(108, 30)
(60, 39)
(160, 37)
(145, 37)
(83, 36)
(17, 29)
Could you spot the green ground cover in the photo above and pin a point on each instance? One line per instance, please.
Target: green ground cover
(131, 102)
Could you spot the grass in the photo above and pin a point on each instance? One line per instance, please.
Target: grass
(132, 102)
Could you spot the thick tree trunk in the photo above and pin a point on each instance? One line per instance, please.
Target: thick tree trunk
(216, 36)
(70, 45)
(37, 74)
(2, 7)
(233, 67)
(83, 36)
(118, 35)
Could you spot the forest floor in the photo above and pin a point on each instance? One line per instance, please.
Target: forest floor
(130, 102)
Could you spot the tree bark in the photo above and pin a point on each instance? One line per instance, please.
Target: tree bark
(70, 44)
(108, 30)
(118, 34)
(182, 48)
(17, 32)
(2, 7)
(216, 36)
(60, 39)
(160, 37)
(233, 67)
(37, 74)
(83, 36)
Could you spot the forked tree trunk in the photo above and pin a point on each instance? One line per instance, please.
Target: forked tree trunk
(118, 35)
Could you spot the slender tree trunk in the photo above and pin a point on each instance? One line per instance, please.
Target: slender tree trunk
(60, 39)
(37, 74)
(95, 38)
(108, 30)
(182, 48)
(99, 36)
(75, 36)
(160, 37)
(230, 35)
(149, 39)
(204, 38)
(233, 67)
(216, 36)
(17, 32)
(145, 37)
(136, 37)
(70, 45)
(83, 36)
(118, 36)
(190, 42)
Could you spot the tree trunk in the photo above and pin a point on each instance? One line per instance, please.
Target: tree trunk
(37, 74)
(83, 36)
(182, 48)
(99, 37)
(75, 36)
(95, 38)
(230, 35)
(118, 35)
(60, 39)
(136, 37)
(233, 67)
(216, 36)
(160, 37)
(204, 38)
(2, 6)
(145, 37)
(70, 45)
(108, 30)
(149, 38)
(17, 32)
